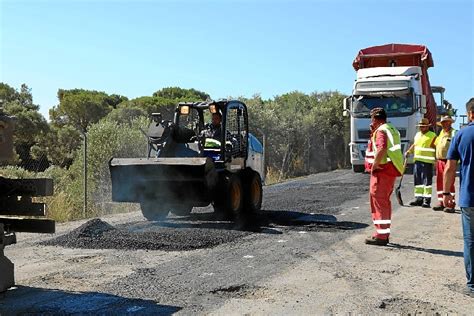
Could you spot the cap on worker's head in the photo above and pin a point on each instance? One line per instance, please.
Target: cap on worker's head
(424, 122)
(378, 113)
(446, 118)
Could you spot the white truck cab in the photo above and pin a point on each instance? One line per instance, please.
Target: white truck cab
(396, 89)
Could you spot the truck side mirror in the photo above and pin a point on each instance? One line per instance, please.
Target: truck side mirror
(346, 106)
(423, 104)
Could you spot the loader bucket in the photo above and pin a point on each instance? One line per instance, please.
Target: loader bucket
(164, 180)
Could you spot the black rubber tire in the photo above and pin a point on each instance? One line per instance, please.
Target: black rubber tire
(153, 211)
(181, 210)
(253, 192)
(229, 197)
(358, 168)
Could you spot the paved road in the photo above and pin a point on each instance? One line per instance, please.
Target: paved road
(123, 264)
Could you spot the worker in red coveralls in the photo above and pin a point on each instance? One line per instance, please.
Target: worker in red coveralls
(384, 161)
(442, 142)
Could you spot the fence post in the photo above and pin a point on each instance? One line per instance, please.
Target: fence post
(84, 210)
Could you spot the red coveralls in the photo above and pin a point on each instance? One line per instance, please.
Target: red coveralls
(440, 167)
(381, 187)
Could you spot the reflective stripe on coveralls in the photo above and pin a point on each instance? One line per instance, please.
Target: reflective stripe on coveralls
(423, 191)
(440, 195)
(423, 150)
(382, 221)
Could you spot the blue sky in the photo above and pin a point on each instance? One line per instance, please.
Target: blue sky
(225, 48)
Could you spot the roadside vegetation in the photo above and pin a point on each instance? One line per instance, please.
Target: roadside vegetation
(305, 133)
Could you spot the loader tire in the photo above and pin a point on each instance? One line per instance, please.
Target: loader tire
(229, 199)
(252, 192)
(153, 211)
(181, 210)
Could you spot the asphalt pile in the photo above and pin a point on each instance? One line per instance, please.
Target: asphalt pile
(97, 234)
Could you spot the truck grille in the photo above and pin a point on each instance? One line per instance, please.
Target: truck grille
(365, 133)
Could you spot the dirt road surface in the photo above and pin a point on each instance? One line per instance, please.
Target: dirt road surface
(304, 254)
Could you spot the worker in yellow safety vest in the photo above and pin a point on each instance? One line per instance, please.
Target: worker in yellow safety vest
(425, 156)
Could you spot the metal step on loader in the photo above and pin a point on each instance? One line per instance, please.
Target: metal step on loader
(190, 163)
(18, 212)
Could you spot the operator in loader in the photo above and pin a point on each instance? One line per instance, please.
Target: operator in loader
(213, 132)
(214, 129)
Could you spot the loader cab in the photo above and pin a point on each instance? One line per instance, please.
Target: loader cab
(185, 173)
(235, 125)
(192, 122)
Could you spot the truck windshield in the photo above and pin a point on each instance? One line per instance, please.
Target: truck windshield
(400, 105)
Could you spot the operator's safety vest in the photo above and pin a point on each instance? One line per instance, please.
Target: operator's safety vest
(394, 149)
(442, 143)
(423, 151)
(212, 143)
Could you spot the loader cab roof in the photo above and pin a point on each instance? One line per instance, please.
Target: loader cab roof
(220, 104)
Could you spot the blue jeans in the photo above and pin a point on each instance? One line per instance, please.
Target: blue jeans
(468, 233)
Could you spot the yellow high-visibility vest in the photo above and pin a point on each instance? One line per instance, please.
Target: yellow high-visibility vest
(423, 150)
(212, 143)
(442, 143)
(394, 149)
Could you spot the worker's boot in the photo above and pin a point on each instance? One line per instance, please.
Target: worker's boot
(376, 241)
(426, 203)
(449, 210)
(438, 207)
(416, 202)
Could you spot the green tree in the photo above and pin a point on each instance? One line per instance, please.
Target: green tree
(7, 93)
(30, 125)
(60, 145)
(305, 133)
(106, 139)
(176, 93)
(124, 114)
(150, 105)
(81, 108)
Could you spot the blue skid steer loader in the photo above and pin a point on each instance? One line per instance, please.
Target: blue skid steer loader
(187, 167)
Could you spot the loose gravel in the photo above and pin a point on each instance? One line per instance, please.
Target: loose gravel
(307, 204)
(97, 234)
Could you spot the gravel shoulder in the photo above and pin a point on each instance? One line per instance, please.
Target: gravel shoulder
(421, 271)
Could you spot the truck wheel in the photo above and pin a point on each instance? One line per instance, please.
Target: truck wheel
(153, 211)
(181, 210)
(229, 199)
(253, 192)
(358, 168)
